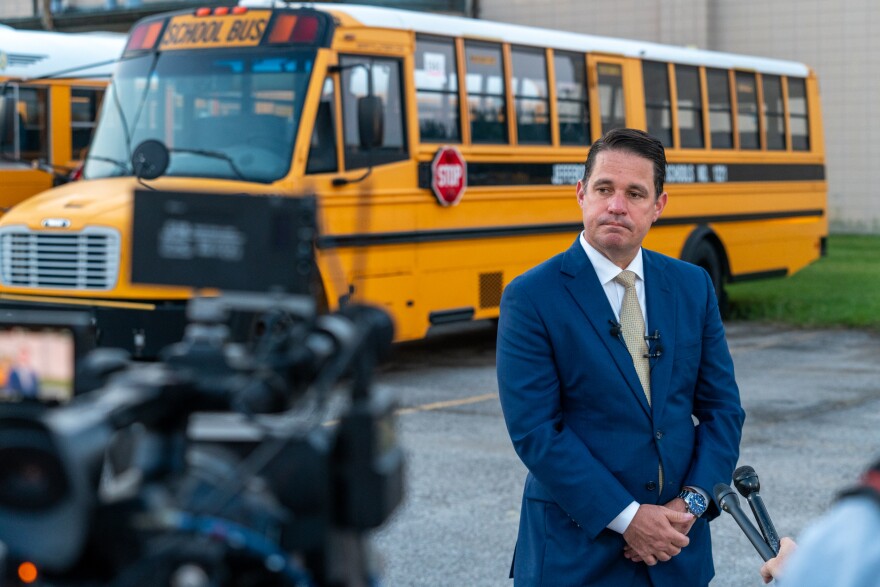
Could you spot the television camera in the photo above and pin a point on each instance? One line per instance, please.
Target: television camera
(265, 463)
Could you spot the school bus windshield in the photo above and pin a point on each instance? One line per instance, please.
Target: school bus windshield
(223, 114)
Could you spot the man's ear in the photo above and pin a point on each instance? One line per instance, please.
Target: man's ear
(581, 187)
(659, 205)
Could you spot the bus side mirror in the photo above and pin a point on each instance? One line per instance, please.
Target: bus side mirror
(7, 121)
(371, 122)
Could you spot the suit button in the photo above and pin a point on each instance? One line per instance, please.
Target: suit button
(658, 435)
(650, 486)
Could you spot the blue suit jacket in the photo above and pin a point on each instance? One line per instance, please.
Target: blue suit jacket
(579, 420)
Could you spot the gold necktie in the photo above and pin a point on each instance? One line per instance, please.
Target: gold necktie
(632, 324)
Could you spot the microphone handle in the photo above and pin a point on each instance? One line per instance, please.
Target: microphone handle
(764, 521)
(731, 506)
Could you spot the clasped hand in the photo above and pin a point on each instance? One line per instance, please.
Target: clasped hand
(658, 533)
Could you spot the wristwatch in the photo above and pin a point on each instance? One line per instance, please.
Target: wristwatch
(695, 502)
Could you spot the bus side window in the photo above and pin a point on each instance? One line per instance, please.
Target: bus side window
(571, 98)
(720, 117)
(690, 106)
(747, 111)
(437, 90)
(485, 92)
(658, 106)
(84, 107)
(798, 114)
(32, 105)
(611, 103)
(530, 96)
(379, 77)
(322, 152)
(774, 112)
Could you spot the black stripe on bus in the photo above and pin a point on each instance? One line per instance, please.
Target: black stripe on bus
(502, 174)
(430, 236)
(757, 275)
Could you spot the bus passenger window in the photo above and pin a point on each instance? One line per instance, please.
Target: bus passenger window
(658, 106)
(32, 140)
(485, 90)
(437, 90)
(747, 111)
(611, 103)
(84, 107)
(798, 114)
(379, 77)
(322, 151)
(690, 106)
(571, 98)
(530, 96)
(720, 117)
(774, 112)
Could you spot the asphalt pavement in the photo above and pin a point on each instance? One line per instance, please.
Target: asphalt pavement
(812, 401)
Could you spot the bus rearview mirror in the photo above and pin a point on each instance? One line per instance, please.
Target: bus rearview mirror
(371, 123)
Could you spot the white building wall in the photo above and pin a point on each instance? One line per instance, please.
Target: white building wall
(840, 40)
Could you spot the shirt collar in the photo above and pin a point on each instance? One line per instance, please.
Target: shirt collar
(605, 269)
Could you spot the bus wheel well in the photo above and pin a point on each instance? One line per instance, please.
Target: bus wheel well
(704, 249)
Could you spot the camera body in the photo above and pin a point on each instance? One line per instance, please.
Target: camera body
(240, 466)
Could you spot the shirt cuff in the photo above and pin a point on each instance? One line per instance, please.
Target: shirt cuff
(622, 521)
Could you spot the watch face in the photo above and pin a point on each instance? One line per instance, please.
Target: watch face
(696, 503)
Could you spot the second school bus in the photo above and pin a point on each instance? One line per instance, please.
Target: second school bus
(51, 89)
(270, 98)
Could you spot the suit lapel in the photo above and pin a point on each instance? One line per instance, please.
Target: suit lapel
(588, 293)
(660, 299)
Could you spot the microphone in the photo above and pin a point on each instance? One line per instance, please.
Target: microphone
(616, 328)
(747, 483)
(728, 501)
(657, 351)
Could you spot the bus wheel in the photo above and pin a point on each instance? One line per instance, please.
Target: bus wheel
(705, 255)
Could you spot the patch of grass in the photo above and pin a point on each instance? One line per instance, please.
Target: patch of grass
(841, 289)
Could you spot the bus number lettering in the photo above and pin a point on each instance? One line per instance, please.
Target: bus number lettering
(246, 30)
(690, 173)
(448, 176)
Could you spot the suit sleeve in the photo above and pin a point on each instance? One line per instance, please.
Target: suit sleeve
(529, 390)
(716, 406)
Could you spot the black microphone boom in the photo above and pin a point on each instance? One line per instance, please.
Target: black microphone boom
(728, 501)
(747, 483)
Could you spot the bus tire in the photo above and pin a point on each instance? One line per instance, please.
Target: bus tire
(706, 255)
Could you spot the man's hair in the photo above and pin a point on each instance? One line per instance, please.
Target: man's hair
(636, 142)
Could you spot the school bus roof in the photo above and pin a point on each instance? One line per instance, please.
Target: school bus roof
(439, 24)
(33, 54)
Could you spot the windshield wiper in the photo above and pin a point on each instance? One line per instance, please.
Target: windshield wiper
(213, 155)
(120, 164)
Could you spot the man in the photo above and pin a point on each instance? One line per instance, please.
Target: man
(604, 425)
(23, 380)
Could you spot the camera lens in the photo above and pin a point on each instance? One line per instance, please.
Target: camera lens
(32, 476)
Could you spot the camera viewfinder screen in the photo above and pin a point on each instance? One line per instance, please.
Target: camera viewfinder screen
(36, 364)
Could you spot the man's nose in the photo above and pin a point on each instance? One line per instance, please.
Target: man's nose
(617, 203)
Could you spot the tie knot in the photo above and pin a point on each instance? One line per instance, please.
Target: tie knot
(626, 278)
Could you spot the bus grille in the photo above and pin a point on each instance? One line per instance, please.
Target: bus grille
(87, 260)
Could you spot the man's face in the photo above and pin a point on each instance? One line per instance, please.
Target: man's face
(618, 204)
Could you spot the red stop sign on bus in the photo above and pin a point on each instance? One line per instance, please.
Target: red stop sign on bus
(448, 176)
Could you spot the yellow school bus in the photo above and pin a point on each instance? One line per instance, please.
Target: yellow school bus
(443, 151)
(51, 88)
